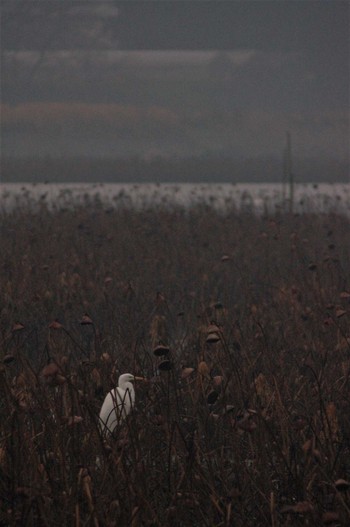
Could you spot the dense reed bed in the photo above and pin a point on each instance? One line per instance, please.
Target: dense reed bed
(244, 420)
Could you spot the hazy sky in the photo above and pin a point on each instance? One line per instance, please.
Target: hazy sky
(286, 67)
(321, 26)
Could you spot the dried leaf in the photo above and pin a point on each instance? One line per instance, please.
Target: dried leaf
(86, 320)
(96, 377)
(253, 309)
(328, 321)
(212, 338)
(342, 485)
(344, 294)
(186, 372)
(17, 327)
(212, 328)
(20, 381)
(165, 365)
(340, 312)
(59, 379)
(330, 517)
(203, 368)
(74, 419)
(302, 507)
(50, 370)
(246, 424)
(55, 325)
(161, 350)
(105, 357)
(217, 380)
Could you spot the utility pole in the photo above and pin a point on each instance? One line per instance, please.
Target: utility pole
(288, 176)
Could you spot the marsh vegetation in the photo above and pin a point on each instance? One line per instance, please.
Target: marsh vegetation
(240, 323)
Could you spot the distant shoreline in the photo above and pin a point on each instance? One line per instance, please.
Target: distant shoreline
(133, 169)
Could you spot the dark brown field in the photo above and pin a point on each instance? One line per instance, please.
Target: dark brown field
(244, 423)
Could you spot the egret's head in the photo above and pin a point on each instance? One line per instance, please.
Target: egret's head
(126, 377)
(129, 377)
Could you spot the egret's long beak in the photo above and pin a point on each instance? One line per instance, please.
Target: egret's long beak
(140, 379)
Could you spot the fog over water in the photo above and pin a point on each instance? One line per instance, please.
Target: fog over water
(140, 82)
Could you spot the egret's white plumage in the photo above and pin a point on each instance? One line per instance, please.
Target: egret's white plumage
(118, 403)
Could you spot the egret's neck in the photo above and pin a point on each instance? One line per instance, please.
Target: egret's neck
(128, 387)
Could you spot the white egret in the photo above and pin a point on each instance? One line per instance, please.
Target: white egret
(118, 403)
